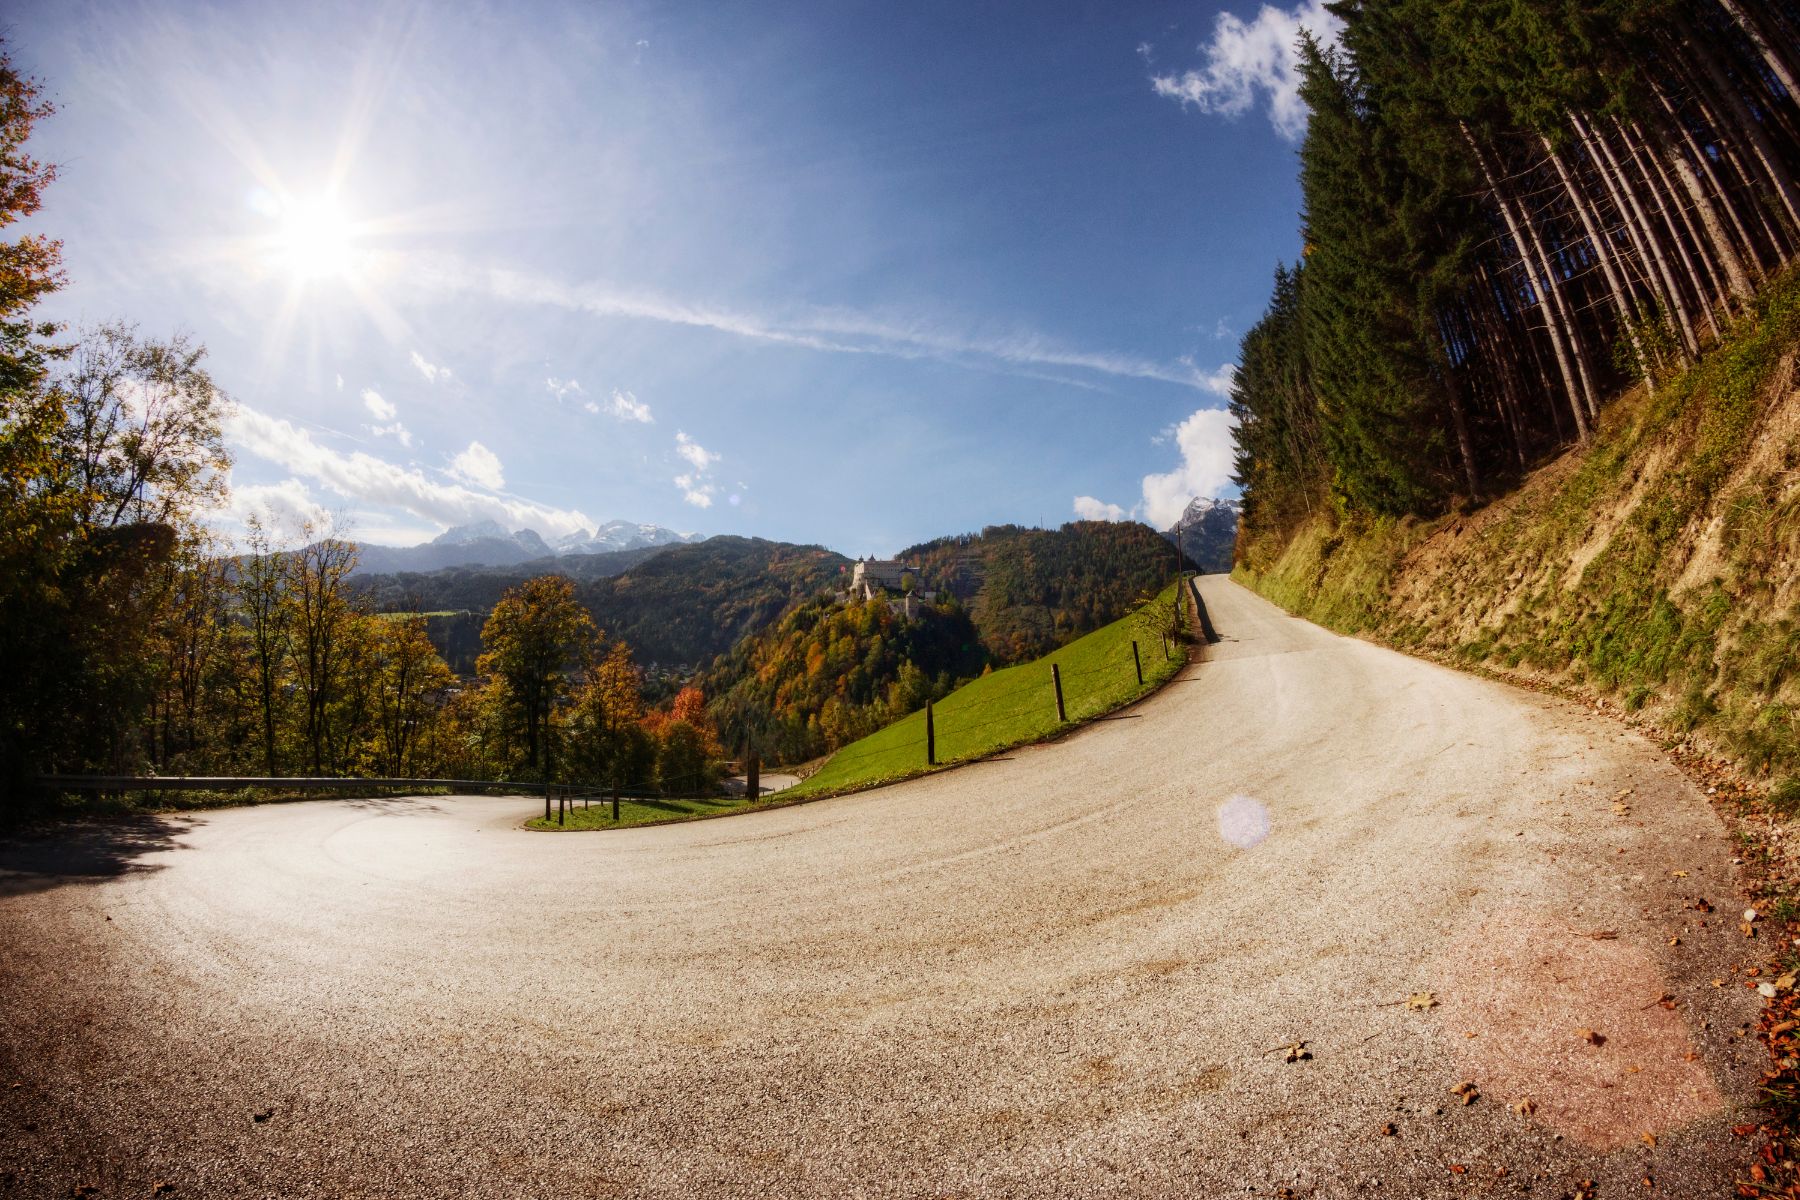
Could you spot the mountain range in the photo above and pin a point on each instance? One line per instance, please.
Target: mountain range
(489, 544)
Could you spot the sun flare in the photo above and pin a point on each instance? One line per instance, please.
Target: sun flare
(315, 240)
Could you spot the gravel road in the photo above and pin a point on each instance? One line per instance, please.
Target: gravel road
(1070, 971)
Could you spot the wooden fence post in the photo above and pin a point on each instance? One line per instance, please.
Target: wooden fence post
(546, 804)
(1062, 717)
(930, 737)
(615, 800)
(753, 777)
(1137, 663)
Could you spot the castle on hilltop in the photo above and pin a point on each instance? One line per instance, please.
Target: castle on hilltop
(879, 578)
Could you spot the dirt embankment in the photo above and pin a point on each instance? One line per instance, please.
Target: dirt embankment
(1657, 569)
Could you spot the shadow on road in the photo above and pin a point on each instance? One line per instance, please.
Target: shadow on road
(86, 852)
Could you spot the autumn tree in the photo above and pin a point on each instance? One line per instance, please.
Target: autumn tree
(605, 741)
(408, 674)
(537, 638)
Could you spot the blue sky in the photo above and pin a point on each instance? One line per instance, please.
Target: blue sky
(853, 273)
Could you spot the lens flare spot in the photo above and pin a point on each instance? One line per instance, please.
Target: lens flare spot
(1243, 822)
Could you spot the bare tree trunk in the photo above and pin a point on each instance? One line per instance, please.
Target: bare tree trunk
(1719, 196)
(1736, 277)
(1641, 231)
(1773, 168)
(1753, 30)
(1604, 252)
(1711, 293)
(1750, 186)
(1550, 323)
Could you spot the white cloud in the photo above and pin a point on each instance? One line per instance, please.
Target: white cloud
(1089, 509)
(381, 410)
(561, 388)
(480, 466)
(1254, 62)
(695, 487)
(370, 480)
(284, 508)
(626, 407)
(1219, 382)
(696, 491)
(1206, 465)
(694, 452)
(397, 431)
(430, 371)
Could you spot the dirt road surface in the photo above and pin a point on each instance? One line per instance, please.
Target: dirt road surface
(1071, 971)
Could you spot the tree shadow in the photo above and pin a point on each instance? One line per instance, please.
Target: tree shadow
(86, 852)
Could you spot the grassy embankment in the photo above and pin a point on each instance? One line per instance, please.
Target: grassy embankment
(996, 712)
(1654, 569)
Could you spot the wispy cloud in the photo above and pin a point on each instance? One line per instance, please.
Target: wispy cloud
(623, 405)
(384, 410)
(835, 331)
(696, 486)
(374, 481)
(431, 371)
(380, 409)
(563, 388)
(1247, 63)
(1217, 381)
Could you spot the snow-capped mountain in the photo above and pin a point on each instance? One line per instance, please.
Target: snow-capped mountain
(1207, 532)
(622, 535)
(489, 544)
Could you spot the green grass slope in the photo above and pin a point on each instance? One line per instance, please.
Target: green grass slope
(1009, 707)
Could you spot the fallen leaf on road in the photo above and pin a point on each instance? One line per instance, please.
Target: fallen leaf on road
(1701, 905)
(1419, 1001)
(1766, 990)
(1674, 941)
(1590, 1037)
(1297, 1052)
(1388, 1130)
(1785, 983)
(1604, 935)
(1718, 983)
(1458, 1169)
(1524, 1106)
(1650, 1139)
(1679, 874)
(1467, 1091)
(1748, 928)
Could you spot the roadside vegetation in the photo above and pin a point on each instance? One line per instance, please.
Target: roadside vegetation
(1654, 569)
(1016, 705)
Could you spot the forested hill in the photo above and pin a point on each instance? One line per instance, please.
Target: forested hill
(1512, 212)
(828, 673)
(672, 604)
(689, 603)
(1031, 590)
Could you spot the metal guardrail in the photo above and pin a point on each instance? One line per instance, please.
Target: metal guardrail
(236, 783)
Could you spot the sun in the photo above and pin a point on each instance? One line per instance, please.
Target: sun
(315, 240)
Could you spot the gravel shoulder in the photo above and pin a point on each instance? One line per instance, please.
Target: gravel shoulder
(1045, 974)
